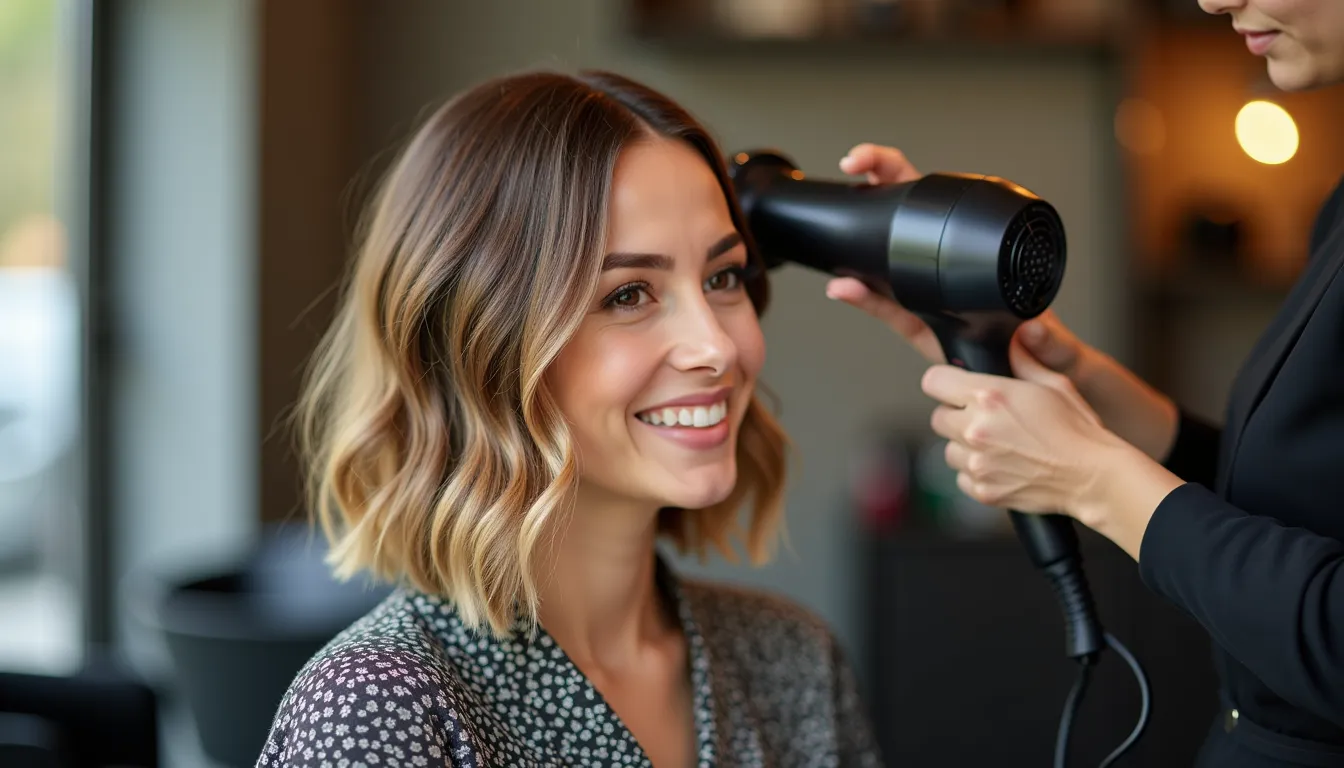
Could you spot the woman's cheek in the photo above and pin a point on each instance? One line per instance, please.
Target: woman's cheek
(750, 341)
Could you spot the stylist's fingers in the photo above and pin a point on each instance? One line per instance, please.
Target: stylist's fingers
(880, 164)
(957, 456)
(905, 323)
(1028, 367)
(1049, 341)
(954, 425)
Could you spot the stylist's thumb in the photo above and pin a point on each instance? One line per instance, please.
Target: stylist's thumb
(1028, 367)
(1050, 343)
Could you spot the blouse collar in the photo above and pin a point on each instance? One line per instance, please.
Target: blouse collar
(555, 706)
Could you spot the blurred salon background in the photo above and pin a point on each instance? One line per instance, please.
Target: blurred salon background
(178, 185)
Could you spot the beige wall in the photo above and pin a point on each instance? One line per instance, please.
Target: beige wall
(1041, 122)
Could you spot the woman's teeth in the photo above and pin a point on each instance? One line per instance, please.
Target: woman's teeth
(698, 416)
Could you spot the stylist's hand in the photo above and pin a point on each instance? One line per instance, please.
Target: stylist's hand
(1136, 412)
(1032, 443)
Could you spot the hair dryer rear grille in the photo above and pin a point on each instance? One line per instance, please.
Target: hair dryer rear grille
(1031, 261)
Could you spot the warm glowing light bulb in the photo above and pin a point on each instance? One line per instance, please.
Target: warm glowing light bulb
(1266, 132)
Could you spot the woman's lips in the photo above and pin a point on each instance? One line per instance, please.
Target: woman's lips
(1259, 42)
(697, 426)
(695, 438)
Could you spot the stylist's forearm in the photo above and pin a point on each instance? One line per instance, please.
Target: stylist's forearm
(1128, 406)
(1128, 488)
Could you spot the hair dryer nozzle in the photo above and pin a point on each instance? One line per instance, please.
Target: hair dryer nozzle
(842, 229)
(946, 243)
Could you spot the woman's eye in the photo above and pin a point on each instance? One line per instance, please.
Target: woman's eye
(726, 280)
(627, 297)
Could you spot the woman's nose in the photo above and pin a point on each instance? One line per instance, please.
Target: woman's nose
(700, 341)
(1220, 6)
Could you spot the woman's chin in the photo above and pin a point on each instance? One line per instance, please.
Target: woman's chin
(702, 492)
(1294, 75)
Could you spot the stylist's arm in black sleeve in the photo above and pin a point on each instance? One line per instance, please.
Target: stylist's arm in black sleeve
(1251, 550)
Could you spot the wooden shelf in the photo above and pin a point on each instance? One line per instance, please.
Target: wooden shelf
(709, 43)
(691, 27)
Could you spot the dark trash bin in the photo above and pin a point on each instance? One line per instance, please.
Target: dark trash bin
(238, 635)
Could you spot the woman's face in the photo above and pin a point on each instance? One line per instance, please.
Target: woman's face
(658, 377)
(1302, 40)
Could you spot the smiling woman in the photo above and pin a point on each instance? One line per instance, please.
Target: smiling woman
(546, 358)
(672, 337)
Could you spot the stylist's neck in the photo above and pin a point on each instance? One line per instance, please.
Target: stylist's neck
(599, 599)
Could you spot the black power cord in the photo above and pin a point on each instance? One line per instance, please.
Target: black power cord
(1076, 697)
(1070, 710)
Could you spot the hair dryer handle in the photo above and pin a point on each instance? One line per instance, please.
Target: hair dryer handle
(982, 355)
(1050, 540)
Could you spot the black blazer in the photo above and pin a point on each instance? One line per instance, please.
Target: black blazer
(1252, 546)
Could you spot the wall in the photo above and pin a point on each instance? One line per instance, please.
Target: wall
(306, 139)
(1197, 157)
(1205, 315)
(1043, 122)
(181, 258)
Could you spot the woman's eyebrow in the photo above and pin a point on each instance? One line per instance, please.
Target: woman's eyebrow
(624, 260)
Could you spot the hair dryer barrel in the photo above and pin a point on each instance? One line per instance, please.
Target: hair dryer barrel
(944, 243)
(842, 229)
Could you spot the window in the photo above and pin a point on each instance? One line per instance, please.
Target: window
(40, 349)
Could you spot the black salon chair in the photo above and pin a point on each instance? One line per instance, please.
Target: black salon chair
(239, 633)
(98, 717)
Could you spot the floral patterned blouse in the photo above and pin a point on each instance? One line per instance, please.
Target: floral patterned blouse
(410, 685)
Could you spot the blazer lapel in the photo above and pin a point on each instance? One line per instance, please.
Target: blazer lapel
(1269, 352)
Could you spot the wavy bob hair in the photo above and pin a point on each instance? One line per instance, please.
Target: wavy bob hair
(434, 453)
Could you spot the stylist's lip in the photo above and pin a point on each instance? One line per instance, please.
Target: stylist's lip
(1258, 41)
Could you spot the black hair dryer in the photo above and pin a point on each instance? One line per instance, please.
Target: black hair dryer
(974, 256)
